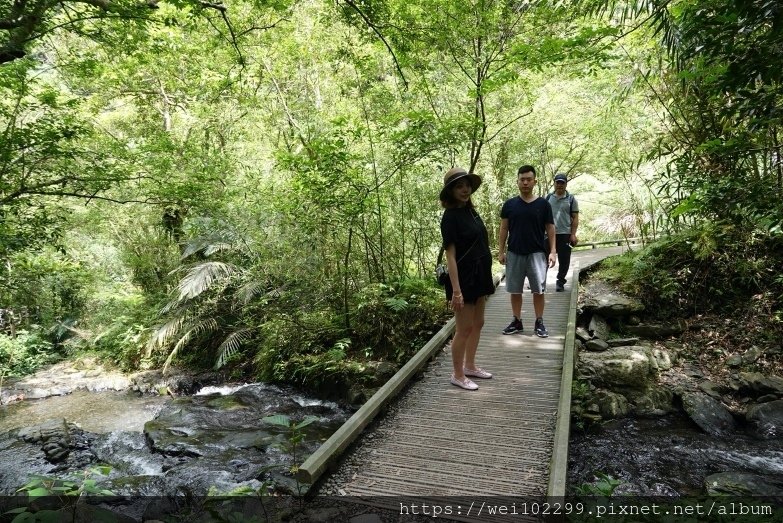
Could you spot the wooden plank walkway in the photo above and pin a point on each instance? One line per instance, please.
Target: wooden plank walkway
(438, 440)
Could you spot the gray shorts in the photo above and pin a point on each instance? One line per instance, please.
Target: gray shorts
(531, 266)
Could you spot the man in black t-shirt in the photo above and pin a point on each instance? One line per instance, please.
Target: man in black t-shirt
(526, 223)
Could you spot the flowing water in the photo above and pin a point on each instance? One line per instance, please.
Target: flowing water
(666, 456)
(650, 456)
(218, 439)
(98, 412)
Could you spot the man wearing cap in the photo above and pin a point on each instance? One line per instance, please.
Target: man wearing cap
(565, 210)
(524, 221)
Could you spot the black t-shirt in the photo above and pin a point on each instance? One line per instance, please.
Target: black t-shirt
(527, 224)
(464, 228)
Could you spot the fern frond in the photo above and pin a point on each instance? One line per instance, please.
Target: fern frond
(161, 336)
(207, 325)
(201, 277)
(249, 291)
(230, 345)
(183, 340)
(209, 250)
(190, 249)
(169, 360)
(201, 327)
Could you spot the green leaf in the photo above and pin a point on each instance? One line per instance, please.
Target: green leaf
(305, 422)
(23, 517)
(278, 419)
(37, 492)
(49, 516)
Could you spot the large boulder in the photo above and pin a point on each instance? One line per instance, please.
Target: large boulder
(757, 384)
(582, 334)
(598, 327)
(608, 302)
(611, 405)
(652, 401)
(709, 414)
(741, 484)
(63, 378)
(633, 367)
(622, 342)
(596, 345)
(714, 390)
(209, 425)
(655, 331)
(767, 419)
(662, 357)
(174, 381)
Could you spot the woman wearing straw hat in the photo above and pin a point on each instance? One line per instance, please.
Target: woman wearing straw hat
(469, 261)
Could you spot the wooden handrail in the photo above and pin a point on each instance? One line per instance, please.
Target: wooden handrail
(620, 242)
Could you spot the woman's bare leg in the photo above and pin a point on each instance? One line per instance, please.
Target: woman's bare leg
(471, 345)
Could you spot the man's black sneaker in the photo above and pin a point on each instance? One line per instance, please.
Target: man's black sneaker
(559, 287)
(541, 331)
(513, 327)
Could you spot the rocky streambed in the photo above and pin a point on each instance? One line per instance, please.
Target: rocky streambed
(196, 438)
(652, 414)
(176, 447)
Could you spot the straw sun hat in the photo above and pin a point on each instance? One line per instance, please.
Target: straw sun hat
(454, 174)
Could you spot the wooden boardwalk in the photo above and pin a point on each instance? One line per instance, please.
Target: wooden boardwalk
(439, 440)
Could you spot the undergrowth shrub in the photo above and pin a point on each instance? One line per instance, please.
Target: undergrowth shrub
(330, 370)
(123, 343)
(44, 288)
(24, 353)
(389, 322)
(711, 268)
(393, 321)
(285, 339)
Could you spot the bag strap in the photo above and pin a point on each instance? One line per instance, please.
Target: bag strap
(570, 202)
(442, 250)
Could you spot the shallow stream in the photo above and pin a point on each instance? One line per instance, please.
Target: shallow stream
(219, 439)
(98, 412)
(666, 456)
(650, 456)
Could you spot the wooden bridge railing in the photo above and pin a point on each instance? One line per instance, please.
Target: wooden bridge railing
(620, 242)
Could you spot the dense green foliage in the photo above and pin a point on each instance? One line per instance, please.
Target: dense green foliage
(712, 268)
(254, 184)
(721, 176)
(24, 352)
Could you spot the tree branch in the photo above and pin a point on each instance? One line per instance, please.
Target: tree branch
(377, 31)
(27, 19)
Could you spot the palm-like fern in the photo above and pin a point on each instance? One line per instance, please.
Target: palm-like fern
(206, 288)
(200, 278)
(231, 345)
